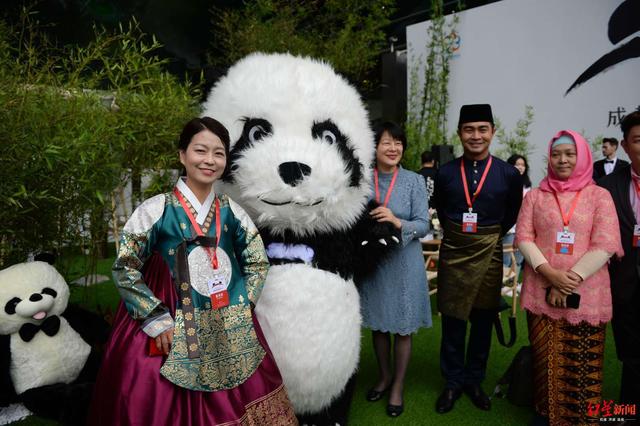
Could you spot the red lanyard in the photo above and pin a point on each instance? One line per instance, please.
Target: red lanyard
(470, 200)
(566, 218)
(196, 226)
(393, 182)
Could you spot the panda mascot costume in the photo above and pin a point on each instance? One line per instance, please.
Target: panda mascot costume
(300, 165)
(45, 363)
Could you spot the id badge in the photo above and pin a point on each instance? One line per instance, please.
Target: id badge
(218, 291)
(636, 236)
(565, 242)
(470, 222)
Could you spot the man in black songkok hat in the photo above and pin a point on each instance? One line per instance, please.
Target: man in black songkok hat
(470, 266)
(474, 113)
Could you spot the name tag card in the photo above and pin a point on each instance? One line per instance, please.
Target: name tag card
(218, 291)
(636, 236)
(565, 242)
(470, 222)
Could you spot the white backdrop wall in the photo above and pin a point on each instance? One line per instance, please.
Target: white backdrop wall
(514, 53)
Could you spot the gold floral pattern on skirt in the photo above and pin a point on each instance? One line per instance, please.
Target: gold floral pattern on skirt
(273, 409)
(229, 350)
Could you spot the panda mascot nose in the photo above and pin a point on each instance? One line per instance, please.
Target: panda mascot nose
(35, 297)
(293, 172)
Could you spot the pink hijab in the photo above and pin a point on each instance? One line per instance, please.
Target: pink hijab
(581, 175)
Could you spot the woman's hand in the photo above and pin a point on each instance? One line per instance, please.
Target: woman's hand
(556, 298)
(384, 214)
(564, 281)
(164, 341)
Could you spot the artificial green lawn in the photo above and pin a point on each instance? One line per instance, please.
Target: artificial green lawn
(423, 382)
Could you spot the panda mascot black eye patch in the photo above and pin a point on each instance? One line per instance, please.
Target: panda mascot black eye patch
(10, 307)
(329, 132)
(51, 292)
(301, 160)
(254, 130)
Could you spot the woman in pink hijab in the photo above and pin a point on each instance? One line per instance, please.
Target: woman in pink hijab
(567, 230)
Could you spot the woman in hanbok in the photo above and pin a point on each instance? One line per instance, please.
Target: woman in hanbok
(567, 230)
(186, 348)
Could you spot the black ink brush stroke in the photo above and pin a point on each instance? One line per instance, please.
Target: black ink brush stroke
(628, 50)
(622, 23)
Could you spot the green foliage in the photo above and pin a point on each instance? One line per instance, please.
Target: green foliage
(516, 141)
(346, 33)
(75, 124)
(594, 142)
(429, 95)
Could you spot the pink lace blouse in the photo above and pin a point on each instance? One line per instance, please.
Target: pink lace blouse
(595, 224)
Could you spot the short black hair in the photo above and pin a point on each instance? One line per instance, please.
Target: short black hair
(630, 120)
(394, 130)
(198, 124)
(427, 157)
(610, 141)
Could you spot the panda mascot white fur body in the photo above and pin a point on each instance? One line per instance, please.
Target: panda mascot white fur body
(300, 165)
(41, 355)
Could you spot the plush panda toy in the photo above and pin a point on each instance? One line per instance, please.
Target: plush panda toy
(300, 165)
(44, 363)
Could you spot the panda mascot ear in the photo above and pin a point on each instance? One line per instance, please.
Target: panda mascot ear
(44, 256)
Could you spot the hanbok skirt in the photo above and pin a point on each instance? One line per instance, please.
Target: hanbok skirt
(130, 390)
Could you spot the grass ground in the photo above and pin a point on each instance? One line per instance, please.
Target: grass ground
(423, 383)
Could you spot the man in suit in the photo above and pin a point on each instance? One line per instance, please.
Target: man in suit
(609, 163)
(624, 186)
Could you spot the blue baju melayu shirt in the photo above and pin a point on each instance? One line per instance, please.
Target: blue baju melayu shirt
(499, 199)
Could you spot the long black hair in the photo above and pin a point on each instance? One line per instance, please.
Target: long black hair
(526, 181)
(199, 124)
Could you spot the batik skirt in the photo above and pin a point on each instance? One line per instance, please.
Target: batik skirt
(567, 368)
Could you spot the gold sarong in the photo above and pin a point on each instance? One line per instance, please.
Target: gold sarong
(469, 270)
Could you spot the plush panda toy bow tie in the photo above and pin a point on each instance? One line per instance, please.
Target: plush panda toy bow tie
(50, 327)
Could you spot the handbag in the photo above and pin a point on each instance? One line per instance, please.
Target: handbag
(518, 379)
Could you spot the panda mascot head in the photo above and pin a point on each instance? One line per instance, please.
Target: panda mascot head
(302, 147)
(30, 293)
(44, 362)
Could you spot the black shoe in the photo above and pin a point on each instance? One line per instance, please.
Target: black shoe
(374, 395)
(447, 398)
(540, 420)
(394, 410)
(478, 397)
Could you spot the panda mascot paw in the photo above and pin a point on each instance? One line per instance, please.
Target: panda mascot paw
(383, 233)
(375, 240)
(300, 166)
(45, 363)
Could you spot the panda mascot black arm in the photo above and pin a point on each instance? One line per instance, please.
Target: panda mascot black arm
(300, 166)
(46, 364)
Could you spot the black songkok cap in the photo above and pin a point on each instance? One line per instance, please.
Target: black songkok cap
(475, 112)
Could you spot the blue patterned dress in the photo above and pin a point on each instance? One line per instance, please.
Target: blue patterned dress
(395, 298)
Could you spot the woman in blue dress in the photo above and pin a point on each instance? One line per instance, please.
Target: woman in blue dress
(395, 298)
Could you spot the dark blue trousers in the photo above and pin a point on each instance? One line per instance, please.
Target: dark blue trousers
(454, 369)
